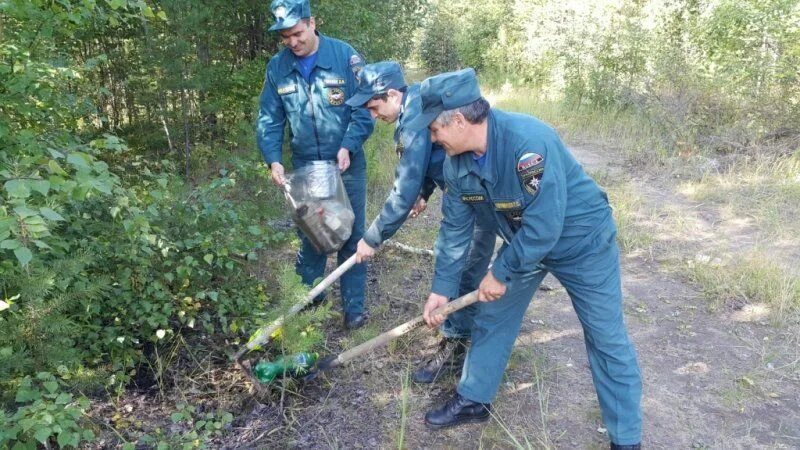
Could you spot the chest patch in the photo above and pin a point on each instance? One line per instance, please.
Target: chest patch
(473, 198)
(530, 169)
(335, 96)
(507, 206)
(288, 89)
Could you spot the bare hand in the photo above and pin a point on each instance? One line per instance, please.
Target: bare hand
(364, 251)
(434, 301)
(343, 157)
(277, 174)
(490, 289)
(418, 207)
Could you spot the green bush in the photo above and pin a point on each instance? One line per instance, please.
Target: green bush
(45, 416)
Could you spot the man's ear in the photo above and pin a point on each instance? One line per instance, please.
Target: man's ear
(459, 120)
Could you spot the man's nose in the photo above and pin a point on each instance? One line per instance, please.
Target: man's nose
(373, 113)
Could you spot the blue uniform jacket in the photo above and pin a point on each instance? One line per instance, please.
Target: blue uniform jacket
(319, 120)
(418, 172)
(544, 203)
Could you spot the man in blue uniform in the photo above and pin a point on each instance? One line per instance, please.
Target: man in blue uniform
(382, 90)
(306, 85)
(548, 212)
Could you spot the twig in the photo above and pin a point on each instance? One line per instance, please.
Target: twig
(408, 248)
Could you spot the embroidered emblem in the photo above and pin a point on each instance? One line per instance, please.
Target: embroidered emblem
(473, 198)
(355, 59)
(288, 89)
(530, 168)
(529, 160)
(335, 96)
(279, 13)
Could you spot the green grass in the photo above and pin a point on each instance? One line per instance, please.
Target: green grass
(754, 278)
(632, 134)
(765, 189)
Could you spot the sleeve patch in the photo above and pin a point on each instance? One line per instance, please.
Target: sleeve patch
(530, 169)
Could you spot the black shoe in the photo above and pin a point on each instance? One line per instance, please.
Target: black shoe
(447, 359)
(456, 411)
(354, 320)
(319, 300)
(626, 447)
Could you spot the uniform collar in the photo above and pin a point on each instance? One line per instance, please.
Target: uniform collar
(324, 57)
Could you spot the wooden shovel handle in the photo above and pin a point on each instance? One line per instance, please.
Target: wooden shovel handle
(262, 336)
(396, 332)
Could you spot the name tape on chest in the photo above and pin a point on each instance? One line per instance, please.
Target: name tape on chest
(507, 205)
(473, 198)
(288, 89)
(333, 82)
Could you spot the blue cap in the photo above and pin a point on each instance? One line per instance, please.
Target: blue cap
(288, 12)
(443, 92)
(376, 79)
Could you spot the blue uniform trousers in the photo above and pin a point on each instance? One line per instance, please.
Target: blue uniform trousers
(310, 265)
(592, 280)
(459, 323)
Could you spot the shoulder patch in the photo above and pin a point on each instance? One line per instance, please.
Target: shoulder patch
(530, 168)
(355, 59)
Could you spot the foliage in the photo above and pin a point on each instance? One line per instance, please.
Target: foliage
(196, 429)
(46, 415)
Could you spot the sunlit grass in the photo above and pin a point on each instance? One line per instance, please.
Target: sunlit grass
(632, 134)
(753, 278)
(764, 189)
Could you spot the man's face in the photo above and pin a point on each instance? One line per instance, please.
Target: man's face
(386, 110)
(300, 39)
(449, 136)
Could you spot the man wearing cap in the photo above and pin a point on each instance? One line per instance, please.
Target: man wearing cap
(306, 85)
(548, 212)
(383, 92)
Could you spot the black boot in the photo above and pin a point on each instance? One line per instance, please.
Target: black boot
(447, 359)
(456, 411)
(354, 320)
(626, 447)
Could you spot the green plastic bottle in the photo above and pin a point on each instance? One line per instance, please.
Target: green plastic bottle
(297, 364)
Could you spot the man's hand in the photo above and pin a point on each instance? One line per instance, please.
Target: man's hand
(490, 289)
(364, 251)
(418, 207)
(434, 301)
(277, 173)
(343, 157)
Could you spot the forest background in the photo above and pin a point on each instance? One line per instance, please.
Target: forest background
(135, 209)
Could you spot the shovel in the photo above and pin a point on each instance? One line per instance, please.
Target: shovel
(383, 339)
(262, 335)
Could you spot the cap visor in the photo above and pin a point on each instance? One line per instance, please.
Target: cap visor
(284, 24)
(422, 120)
(359, 99)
